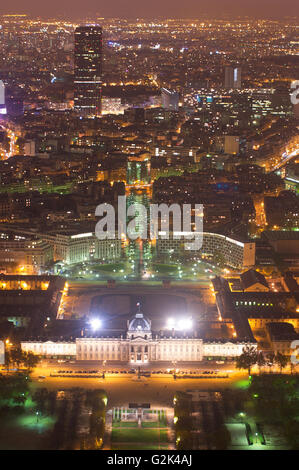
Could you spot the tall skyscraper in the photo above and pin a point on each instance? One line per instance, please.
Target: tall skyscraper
(2, 98)
(232, 80)
(88, 70)
(170, 99)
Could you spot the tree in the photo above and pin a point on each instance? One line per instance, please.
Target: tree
(220, 438)
(270, 358)
(281, 360)
(30, 360)
(14, 387)
(8, 360)
(184, 423)
(247, 359)
(17, 356)
(261, 361)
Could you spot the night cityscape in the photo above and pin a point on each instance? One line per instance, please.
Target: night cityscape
(149, 228)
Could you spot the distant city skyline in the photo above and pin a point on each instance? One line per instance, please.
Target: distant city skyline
(167, 8)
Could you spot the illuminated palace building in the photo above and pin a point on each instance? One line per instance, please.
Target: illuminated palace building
(88, 70)
(139, 345)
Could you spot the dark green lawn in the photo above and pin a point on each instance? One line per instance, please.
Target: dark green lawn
(139, 435)
(23, 432)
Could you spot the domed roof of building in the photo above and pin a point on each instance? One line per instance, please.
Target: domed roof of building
(139, 322)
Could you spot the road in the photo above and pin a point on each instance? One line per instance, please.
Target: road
(13, 139)
(286, 159)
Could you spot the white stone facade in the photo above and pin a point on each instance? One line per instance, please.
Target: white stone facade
(221, 349)
(139, 346)
(50, 348)
(139, 350)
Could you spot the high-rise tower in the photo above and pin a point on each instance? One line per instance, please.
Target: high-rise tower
(88, 70)
(2, 98)
(232, 79)
(170, 99)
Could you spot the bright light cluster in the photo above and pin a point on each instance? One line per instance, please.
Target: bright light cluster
(181, 324)
(95, 324)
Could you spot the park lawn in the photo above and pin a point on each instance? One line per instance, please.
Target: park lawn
(125, 424)
(135, 435)
(154, 424)
(150, 424)
(163, 435)
(108, 267)
(23, 432)
(139, 435)
(136, 447)
(166, 268)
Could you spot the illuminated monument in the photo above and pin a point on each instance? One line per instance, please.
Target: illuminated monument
(88, 70)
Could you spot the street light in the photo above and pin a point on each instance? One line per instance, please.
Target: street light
(95, 324)
(185, 324)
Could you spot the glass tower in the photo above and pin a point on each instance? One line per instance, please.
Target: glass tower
(88, 70)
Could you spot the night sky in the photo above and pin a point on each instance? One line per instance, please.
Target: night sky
(153, 8)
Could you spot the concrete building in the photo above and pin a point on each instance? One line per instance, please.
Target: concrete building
(253, 281)
(227, 144)
(80, 247)
(27, 301)
(280, 336)
(235, 253)
(27, 254)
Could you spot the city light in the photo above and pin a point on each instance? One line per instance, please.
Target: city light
(95, 324)
(185, 324)
(121, 140)
(182, 324)
(171, 323)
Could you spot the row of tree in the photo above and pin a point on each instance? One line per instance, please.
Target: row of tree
(251, 357)
(275, 401)
(15, 358)
(14, 389)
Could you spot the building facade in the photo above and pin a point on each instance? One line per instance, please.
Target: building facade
(81, 247)
(232, 80)
(170, 99)
(50, 348)
(88, 70)
(139, 346)
(235, 253)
